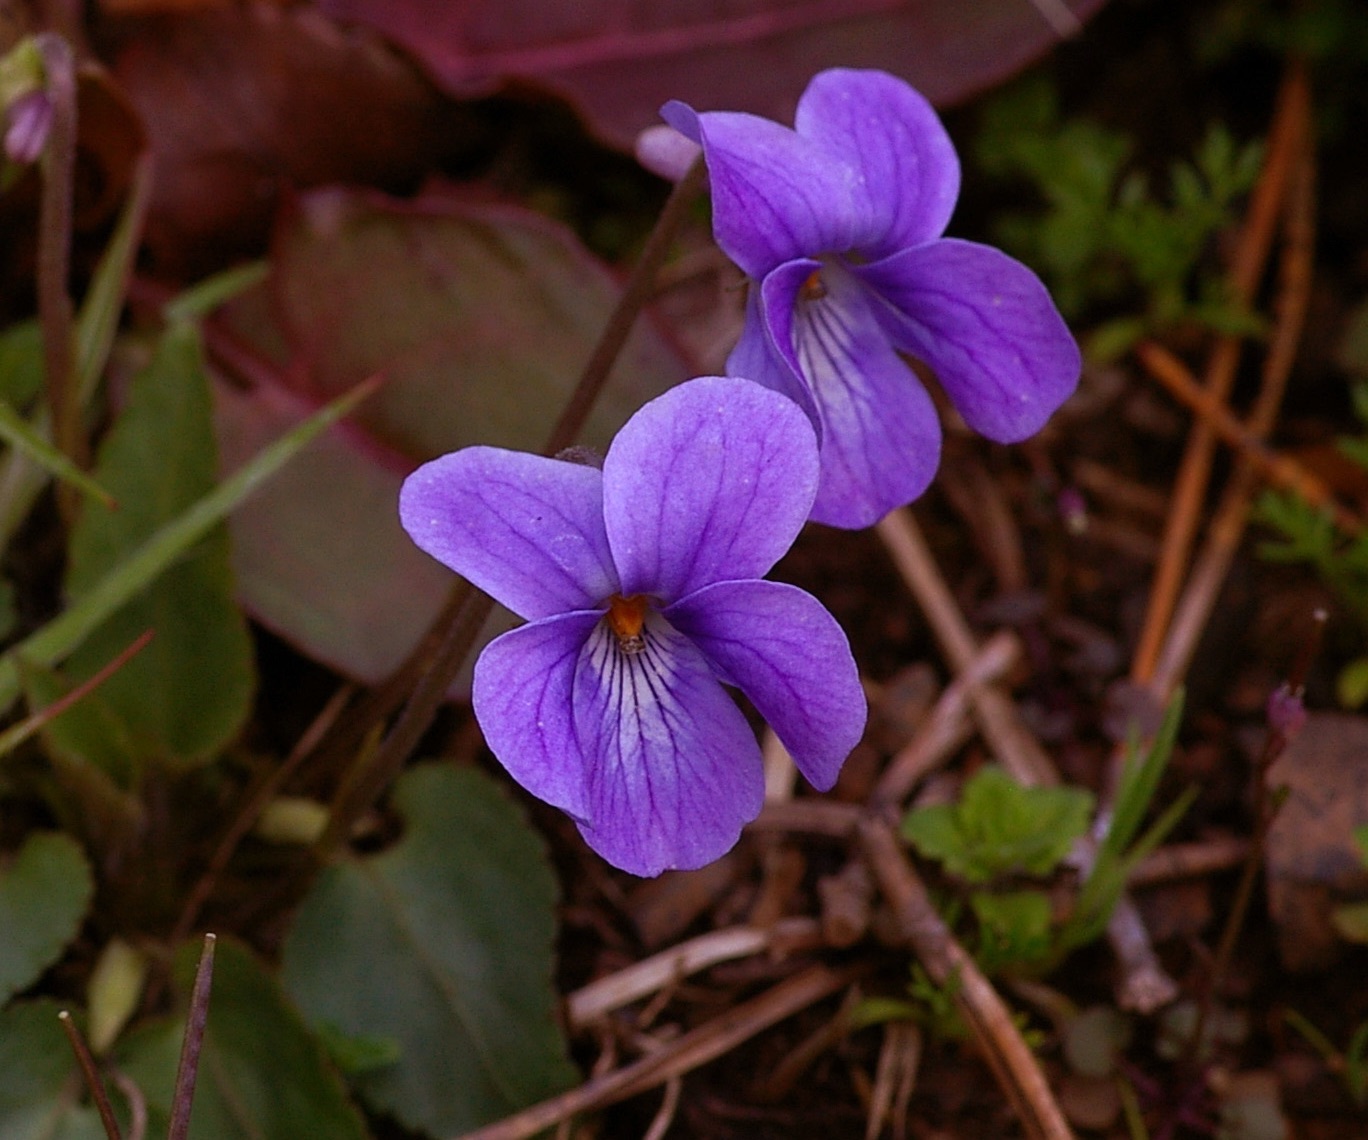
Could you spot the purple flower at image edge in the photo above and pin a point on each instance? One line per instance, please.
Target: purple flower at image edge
(839, 223)
(641, 586)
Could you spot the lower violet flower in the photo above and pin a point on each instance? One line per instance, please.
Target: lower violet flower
(839, 222)
(641, 586)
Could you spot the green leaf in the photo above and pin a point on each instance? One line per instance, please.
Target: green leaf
(21, 363)
(56, 639)
(44, 894)
(15, 431)
(1361, 842)
(202, 299)
(442, 943)
(1014, 929)
(20, 478)
(1000, 827)
(39, 1082)
(1351, 686)
(1351, 922)
(90, 733)
(262, 1075)
(187, 694)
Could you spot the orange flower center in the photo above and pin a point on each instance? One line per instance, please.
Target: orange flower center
(627, 618)
(813, 289)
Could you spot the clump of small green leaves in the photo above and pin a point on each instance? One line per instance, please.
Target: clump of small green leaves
(999, 832)
(1106, 235)
(1307, 534)
(999, 827)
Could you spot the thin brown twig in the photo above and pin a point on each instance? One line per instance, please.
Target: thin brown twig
(54, 249)
(91, 1074)
(461, 620)
(1227, 528)
(683, 1055)
(1277, 468)
(250, 812)
(634, 982)
(1189, 490)
(947, 726)
(949, 965)
(1009, 739)
(196, 1021)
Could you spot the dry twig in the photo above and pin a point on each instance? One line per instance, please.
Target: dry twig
(683, 1055)
(950, 965)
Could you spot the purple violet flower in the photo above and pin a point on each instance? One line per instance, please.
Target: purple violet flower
(641, 588)
(839, 222)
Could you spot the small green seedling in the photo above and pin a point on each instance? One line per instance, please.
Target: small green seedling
(1000, 828)
(1000, 832)
(1105, 235)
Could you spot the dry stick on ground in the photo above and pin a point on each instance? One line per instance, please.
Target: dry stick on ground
(697, 1047)
(1189, 488)
(948, 726)
(951, 966)
(602, 996)
(1009, 739)
(1144, 984)
(1224, 534)
(1277, 468)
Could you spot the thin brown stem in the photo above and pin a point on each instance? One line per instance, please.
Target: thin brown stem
(467, 610)
(54, 249)
(683, 1055)
(1289, 127)
(196, 1020)
(951, 966)
(92, 1076)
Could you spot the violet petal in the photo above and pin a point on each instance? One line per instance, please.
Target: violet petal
(522, 693)
(781, 648)
(526, 530)
(775, 195)
(987, 327)
(711, 481)
(882, 127)
(880, 434)
(674, 770)
(754, 357)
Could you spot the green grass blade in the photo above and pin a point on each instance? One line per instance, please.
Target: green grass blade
(103, 305)
(200, 300)
(15, 431)
(49, 645)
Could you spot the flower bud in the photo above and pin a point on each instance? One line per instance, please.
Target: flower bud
(30, 121)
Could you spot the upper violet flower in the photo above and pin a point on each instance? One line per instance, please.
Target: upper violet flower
(839, 223)
(641, 588)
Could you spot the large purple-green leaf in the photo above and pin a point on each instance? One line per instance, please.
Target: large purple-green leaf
(480, 317)
(619, 60)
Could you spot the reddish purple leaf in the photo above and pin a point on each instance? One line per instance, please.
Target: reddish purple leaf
(619, 60)
(481, 318)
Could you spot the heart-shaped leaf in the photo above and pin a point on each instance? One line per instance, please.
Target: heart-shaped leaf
(262, 1075)
(38, 1078)
(442, 944)
(187, 694)
(44, 892)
